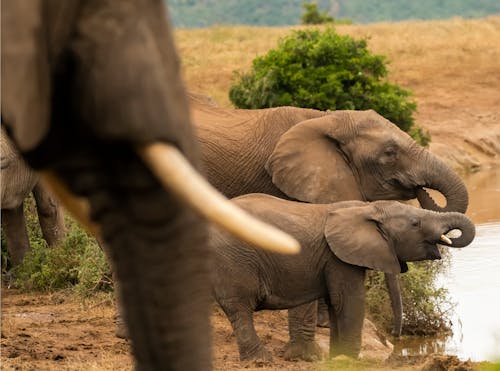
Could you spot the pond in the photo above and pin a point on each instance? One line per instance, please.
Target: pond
(473, 281)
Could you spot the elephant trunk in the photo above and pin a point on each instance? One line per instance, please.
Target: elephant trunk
(442, 178)
(459, 221)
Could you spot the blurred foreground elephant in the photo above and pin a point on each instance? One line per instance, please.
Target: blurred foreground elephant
(18, 181)
(92, 98)
(320, 157)
(340, 241)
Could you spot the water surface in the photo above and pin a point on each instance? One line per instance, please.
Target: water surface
(473, 280)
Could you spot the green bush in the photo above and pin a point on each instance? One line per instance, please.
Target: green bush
(77, 263)
(325, 71)
(427, 308)
(311, 15)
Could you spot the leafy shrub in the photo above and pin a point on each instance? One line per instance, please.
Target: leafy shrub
(78, 262)
(311, 15)
(4, 256)
(325, 71)
(427, 309)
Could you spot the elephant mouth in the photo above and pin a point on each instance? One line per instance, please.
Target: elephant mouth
(433, 252)
(404, 191)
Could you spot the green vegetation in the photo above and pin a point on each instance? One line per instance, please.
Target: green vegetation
(77, 263)
(325, 71)
(427, 308)
(488, 366)
(312, 15)
(203, 13)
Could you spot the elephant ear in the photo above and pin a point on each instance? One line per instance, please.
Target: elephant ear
(354, 236)
(308, 163)
(25, 72)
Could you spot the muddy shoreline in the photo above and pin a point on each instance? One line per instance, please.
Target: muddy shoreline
(60, 331)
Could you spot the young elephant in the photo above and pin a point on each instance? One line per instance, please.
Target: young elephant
(339, 242)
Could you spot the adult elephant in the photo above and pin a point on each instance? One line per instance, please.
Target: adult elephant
(91, 96)
(321, 157)
(18, 181)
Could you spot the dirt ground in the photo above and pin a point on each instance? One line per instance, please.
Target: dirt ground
(459, 106)
(58, 332)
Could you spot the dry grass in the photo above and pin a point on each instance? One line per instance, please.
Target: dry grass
(450, 52)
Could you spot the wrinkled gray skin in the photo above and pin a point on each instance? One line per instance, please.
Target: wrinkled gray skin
(18, 181)
(320, 157)
(339, 242)
(83, 84)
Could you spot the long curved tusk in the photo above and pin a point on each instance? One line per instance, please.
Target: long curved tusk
(177, 174)
(446, 239)
(77, 206)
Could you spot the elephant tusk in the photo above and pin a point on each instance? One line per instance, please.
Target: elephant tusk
(77, 206)
(178, 176)
(446, 239)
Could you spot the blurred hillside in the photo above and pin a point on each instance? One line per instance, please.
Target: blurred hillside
(203, 13)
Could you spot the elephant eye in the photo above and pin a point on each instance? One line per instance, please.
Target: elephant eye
(415, 222)
(388, 156)
(390, 152)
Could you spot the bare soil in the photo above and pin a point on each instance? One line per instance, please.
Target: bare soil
(59, 331)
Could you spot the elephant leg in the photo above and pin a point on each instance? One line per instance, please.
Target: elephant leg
(249, 344)
(121, 328)
(302, 327)
(323, 314)
(346, 328)
(394, 289)
(347, 312)
(16, 235)
(49, 215)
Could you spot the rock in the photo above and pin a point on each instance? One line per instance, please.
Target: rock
(444, 363)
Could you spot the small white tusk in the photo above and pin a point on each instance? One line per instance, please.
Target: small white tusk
(446, 239)
(178, 176)
(77, 206)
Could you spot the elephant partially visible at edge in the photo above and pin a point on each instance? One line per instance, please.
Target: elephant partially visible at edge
(340, 241)
(93, 99)
(320, 157)
(17, 182)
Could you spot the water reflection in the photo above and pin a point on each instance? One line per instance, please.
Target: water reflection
(473, 281)
(418, 346)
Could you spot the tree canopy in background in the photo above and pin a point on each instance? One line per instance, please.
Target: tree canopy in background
(203, 13)
(312, 15)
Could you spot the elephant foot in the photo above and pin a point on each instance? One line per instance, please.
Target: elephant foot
(303, 351)
(396, 332)
(323, 319)
(121, 330)
(259, 357)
